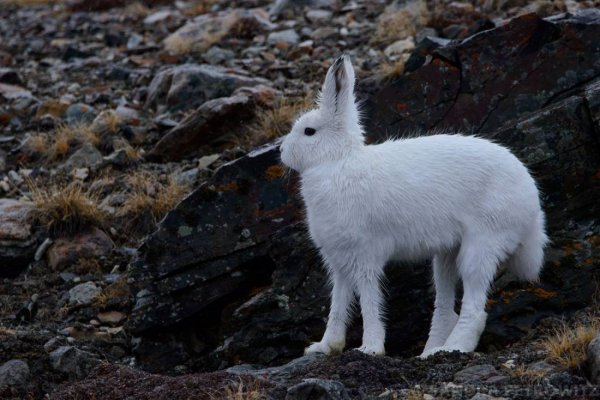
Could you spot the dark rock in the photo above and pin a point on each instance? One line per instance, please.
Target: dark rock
(478, 374)
(14, 373)
(282, 373)
(66, 251)
(29, 310)
(18, 240)
(74, 362)
(478, 84)
(209, 122)
(9, 75)
(73, 52)
(317, 389)
(188, 86)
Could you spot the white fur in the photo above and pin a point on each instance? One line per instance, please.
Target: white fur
(465, 201)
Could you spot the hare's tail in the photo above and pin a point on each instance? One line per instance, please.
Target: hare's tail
(527, 261)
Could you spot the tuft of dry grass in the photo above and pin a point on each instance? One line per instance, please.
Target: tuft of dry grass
(390, 70)
(528, 375)
(399, 23)
(567, 345)
(37, 144)
(239, 391)
(66, 209)
(107, 122)
(115, 291)
(150, 198)
(66, 136)
(414, 394)
(275, 122)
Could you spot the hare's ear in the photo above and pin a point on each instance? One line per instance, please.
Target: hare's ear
(337, 93)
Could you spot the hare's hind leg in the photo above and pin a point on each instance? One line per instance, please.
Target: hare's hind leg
(477, 262)
(334, 338)
(445, 276)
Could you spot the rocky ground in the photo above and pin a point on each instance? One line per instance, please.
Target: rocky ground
(116, 114)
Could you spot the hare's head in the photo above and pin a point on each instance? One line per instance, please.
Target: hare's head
(327, 133)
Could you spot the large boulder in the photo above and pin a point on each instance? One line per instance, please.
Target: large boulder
(230, 276)
(189, 85)
(213, 123)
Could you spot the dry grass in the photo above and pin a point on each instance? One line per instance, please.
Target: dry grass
(150, 198)
(138, 9)
(68, 136)
(107, 122)
(390, 70)
(567, 346)
(399, 23)
(527, 375)
(414, 394)
(37, 144)
(66, 209)
(276, 122)
(239, 391)
(117, 290)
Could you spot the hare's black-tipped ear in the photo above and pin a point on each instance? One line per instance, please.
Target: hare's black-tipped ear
(337, 93)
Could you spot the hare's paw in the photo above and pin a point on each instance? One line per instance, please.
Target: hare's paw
(372, 350)
(324, 348)
(434, 350)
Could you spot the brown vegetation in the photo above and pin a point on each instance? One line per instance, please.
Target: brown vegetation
(66, 209)
(400, 23)
(567, 345)
(148, 198)
(276, 122)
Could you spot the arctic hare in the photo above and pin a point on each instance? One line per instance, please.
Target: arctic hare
(464, 201)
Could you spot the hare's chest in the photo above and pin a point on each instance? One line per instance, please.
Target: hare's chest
(332, 215)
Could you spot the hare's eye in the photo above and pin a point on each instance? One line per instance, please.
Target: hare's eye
(309, 131)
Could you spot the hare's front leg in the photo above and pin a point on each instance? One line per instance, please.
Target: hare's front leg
(444, 318)
(334, 338)
(371, 302)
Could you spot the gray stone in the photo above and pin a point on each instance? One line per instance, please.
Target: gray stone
(88, 156)
(318, 15)
(288, 36)
(324, 33)
(476, 374)
(9, 75)
(187, 178)
(483, 396)
(318, 389)
(79, 113)
(18, 240)
(218, 55)
(14, 373)
(593, 355)
(279, 373)
(189, 85)
(84, 293)
(76, 363)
